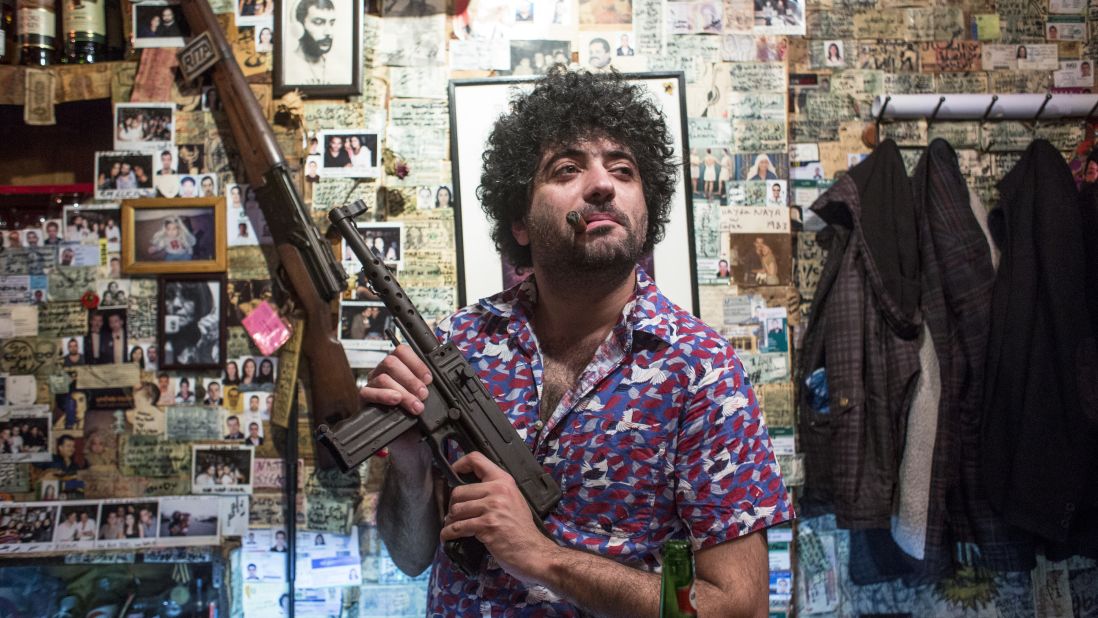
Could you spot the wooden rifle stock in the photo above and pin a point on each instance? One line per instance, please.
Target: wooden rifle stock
(303, 260)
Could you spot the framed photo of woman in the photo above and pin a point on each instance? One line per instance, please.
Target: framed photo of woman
(318, 47)
(191, 322)
(179, 235)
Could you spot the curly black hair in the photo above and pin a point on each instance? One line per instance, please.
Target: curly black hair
(563, 108)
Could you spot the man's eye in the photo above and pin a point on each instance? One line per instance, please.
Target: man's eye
(567, 169)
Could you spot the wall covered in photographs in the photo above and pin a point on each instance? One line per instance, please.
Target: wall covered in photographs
(144, 409)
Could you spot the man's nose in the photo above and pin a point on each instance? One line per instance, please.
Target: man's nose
(600, 185)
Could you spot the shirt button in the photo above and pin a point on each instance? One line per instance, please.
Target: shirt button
(538, 425)
(844, 401)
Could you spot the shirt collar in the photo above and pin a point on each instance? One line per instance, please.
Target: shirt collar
(648, 311)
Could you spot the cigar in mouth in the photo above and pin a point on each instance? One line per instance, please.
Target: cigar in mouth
(575, 220)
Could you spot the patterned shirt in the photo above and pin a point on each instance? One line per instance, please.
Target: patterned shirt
(661, 438)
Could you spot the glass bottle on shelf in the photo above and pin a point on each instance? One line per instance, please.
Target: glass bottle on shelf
(84, 23)
(7, 32)
(37, 27)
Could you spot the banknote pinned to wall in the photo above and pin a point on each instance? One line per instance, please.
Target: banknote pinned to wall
(189, 423)
(965, 82)
(940, 23)
(836, 23)
(905, 132)
(28, 260)
(950, 56)
(14, 477)
(757, 77)
(759, 135)
(145, 456)
(891, 56)
(776, 403)
(756, 105)
(419, 41)
(958, 134)
(882, 25)
(833, 107)
(69, 284)
(328, 514)
(909, 83)
(419, 82)
(1019, 81)
(766, 367)
(1020, 23)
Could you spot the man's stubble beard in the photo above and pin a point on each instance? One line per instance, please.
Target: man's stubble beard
(593, 263)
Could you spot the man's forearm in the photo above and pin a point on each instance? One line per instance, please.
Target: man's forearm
(607, 588)
(407, 517)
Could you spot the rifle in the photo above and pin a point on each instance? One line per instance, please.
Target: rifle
(302, 262)
(458, 407)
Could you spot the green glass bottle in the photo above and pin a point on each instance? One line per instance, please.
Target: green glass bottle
(677, 596)
(85, 30)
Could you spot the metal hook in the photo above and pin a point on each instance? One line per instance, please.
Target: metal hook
(1090, 114)
(934, 114)
(987, 112)
(1041, 110)
(880, 116)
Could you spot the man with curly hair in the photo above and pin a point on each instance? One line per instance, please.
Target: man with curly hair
(641, 412)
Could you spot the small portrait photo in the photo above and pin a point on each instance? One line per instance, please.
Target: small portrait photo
(77, 525)
(349, 153)
(187, 516)
(192, 327)
(71, 351)
(174, 236)
(210, 100)
(144, 126)
(779, 17)
(251, 12)
(264, 38)
(312, 167)
(595, 52)
(52, 232)
(317, 49)
(536, 57)
(605, 12)
(114, 292)
(123, 175)
(23, 527)
(385, 239)
(143, 355)
(761, 259)
(761, 166)
(93, 224)
(776, 193)
(185, 389)
(221, 469)
(833, 54)
(25, 434)
(436, 197)
(362, 325)
(166, 162)
(159, 24)
(239, 227)
(106, 341)
(49, 490)
(257, 373)
(128, 521)
(191, 159)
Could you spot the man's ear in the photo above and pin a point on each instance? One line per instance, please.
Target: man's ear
(519, 231)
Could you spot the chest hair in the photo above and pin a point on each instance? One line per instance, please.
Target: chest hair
(563, 365)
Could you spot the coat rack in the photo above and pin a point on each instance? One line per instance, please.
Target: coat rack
(984, 107)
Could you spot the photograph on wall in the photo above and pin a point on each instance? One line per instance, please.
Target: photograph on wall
(173, 236)
(221, 469)
(187, 186)
(348, 153)
(191, 159)
(538, 56)
(191, 334)
(761, 259)
(189, 520)
(107, 338)
(127, 523)
(252, 12)
(123, 175)
(77, 525)
(27, 527)
(257, 373)
(94, 224)
(24, 434)
(75, 254)
(158, 24)
(318, 47)
(779, 17)
(605, 12)
(386, 239)
(144, 127)
(362, 325)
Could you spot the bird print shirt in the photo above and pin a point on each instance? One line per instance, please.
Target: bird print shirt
(660, 438)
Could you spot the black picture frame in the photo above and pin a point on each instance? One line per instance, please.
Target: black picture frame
(192, 336)
(339, 71)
